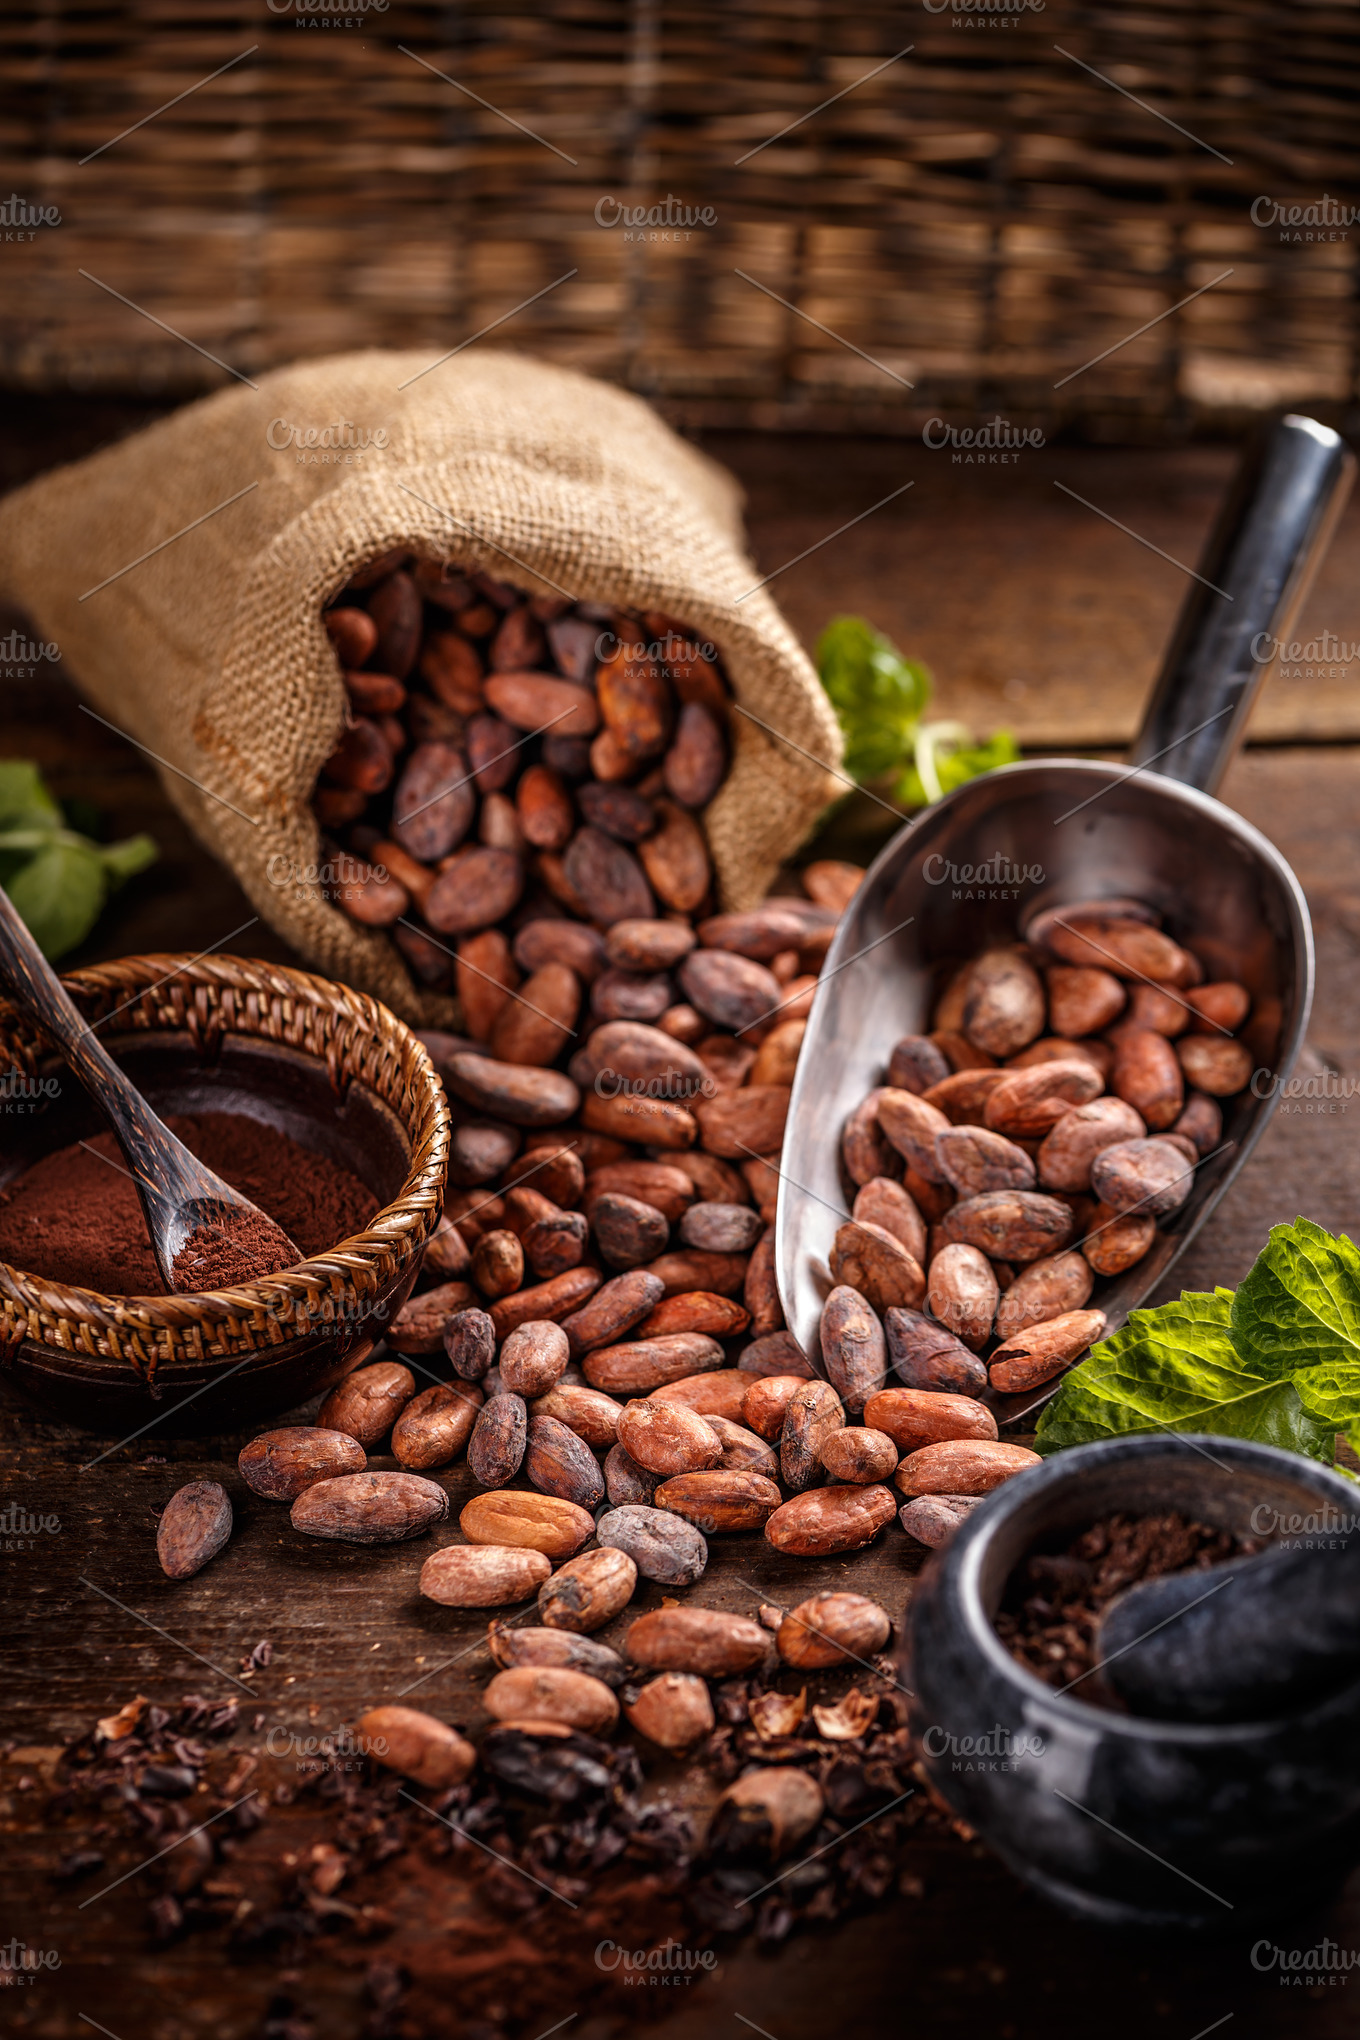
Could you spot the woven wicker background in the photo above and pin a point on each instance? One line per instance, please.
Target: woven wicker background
(982, 216)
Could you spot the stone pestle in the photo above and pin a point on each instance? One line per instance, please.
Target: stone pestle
(1244, 1641)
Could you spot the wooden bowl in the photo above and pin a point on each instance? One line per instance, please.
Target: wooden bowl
(332, 1069)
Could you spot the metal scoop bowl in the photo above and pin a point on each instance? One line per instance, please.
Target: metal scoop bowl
(976, 868)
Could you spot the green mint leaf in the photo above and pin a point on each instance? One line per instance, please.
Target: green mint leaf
(1175, 1368)
(24, 800)
(58, 894)
(1297, 1314)
(878, 695)
(955, 768)
(122, 861)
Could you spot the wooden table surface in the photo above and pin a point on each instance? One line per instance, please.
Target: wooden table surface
(969, 1952)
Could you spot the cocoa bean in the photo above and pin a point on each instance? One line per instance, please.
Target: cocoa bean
(353, 634)
(833, 883)
(647, 1363)
(655, 1184)
(446, 1253)
(480, 1150)
(915, 1064)
(1030, 1102)
(933, 1519)
(649, 1121)
(761, 934)
(768, 1398)
(590, 1414)
(730, 990)
(1036, 1355)
(854, 1350)
(195, 1525)
(811, 1413)
(712, 1395)
(367, 1403)
(1110, 941)
(1004, 1008)
(721, 1228)
(768, 1812)
(558, 1463)
(963, 1293)
(703, 1640)
(662, 1545)
(1083, 1000)
(485, 974)
(859, 1455)
(536, 1023)
(673, 1710)
(511, 1645)
(635, 701)
(1010, 1225)
(608, 878)
(626, 1483)
(865, 1149)
(415, 1746)
(1160, 1011)
(720, 1500)
(620, 811)
(451, 668)
(627, 1231)
(588, 1591)
(370, 1508)
(959, 1052)
(911, 1124)
(549, 940)
(742, 1450)
(512, 1091)
(361, 759)
(475, 887)
(554, 1299)
(519, 642)
(762, 1180)
(691, 1269)
(482, 1576)
(777, 1059)
(973, 1159)
(675, 859)
(470, 1341)
(913, 1417)
(1201, 1122)
(435, 1426)
(760, 1289)
(536, 701)
(395, 612)
(962, 1466)
(495, 1450)
(830, 1519)
(1147, 1076)
(554, 1244)
(544, 1522)
(667, 1438)
(1116, 1240)
(552, 1693)
(694, 766)
(614, 1309)
(830, 1629)
(366, 893)
(648, 945)
(1218, 1007)
(280, 1465)
(1046, 1289)
(1071, 1146)
(866, 1258)
(1152, 1176)
(881, 1202)
(498, 1263)
(744, 1122)
(963, 1096)
(925, 1355)
(434, 803)
(1215, 1065)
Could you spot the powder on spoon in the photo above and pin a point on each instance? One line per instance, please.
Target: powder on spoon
(75, 1216)
(235, 1247)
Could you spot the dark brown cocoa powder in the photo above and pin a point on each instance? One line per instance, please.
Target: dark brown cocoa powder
(1054, 1601)
(240, 1246)
(74, 1216)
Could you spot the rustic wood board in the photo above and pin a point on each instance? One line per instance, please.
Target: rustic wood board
(971, 1953)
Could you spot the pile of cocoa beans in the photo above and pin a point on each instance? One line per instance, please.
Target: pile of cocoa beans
(1025, 1147)
(508, 757)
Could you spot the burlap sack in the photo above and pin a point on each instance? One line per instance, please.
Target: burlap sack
(210, 652)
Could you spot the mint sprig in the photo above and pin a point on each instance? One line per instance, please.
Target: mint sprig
(57, 878)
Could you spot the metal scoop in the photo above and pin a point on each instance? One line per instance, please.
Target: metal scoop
(975, 869)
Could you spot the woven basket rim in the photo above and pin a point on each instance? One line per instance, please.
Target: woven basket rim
(398, 1229)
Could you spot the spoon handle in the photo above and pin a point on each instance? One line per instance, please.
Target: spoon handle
(150, 1148)
(1251, 581)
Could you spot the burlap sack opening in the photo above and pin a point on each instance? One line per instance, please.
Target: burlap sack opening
(210, 650)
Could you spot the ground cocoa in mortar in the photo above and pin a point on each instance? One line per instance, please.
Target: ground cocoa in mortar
(74, 1216)
(1055, 1600)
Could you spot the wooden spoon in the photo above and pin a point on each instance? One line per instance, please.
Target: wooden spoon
(203, 1233)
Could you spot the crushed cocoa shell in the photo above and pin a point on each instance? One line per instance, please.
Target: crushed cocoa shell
(471, 1912)
(1054, 1600)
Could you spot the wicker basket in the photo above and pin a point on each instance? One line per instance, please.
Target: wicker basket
(980, 217)
(297, 1329)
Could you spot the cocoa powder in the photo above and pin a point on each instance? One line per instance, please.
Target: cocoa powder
(75, 1217)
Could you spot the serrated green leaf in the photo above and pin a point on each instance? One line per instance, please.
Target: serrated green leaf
(58, 894)
(1297, 1314)
(122, 861)
(878, 695)
(24, 799)
(1175, 1369)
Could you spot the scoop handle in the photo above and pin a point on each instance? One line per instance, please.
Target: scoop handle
(1250, 584)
